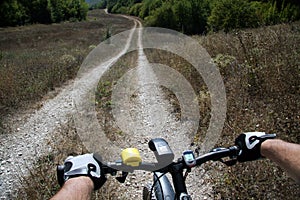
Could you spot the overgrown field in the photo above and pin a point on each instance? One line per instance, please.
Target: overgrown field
(261, 72)
(38, 58)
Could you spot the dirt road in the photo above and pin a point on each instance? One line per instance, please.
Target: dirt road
(154, 117)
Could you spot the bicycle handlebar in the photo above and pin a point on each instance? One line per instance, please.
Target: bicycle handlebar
(215, 155)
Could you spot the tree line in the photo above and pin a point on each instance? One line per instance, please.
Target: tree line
(21, 12)
(201, 16)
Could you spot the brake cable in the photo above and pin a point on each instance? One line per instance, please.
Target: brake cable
(158, 179)
(186, 173)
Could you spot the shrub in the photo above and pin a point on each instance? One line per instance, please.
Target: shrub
(231, 14)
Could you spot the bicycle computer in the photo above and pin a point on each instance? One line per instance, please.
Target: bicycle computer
(189, 158)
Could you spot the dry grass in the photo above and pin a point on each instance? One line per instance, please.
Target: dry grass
(261, 71)
(42, 182)
(104, 92)
(37, 58)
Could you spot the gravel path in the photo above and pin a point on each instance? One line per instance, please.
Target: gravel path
(149, 108)
(153, 117)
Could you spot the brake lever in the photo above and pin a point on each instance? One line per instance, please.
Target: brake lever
(268, 136)
(229, 162)
(233, 158)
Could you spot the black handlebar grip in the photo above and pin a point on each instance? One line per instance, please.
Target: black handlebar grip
(60, 170)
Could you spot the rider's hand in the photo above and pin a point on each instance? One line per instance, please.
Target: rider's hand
(250, 143)
(83, 165)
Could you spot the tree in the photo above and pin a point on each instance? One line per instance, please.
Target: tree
(135, 9)
(164, 16)
(148, 6)
(39, 12)
(11, 13)
(20, 12)
(76, 10)
(183, 15)
(199, 14)
(111, 4)
(232, 14)
(56, 8)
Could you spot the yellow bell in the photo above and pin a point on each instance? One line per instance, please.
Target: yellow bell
(131, 157)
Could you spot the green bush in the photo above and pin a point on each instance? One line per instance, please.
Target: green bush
(187, 16)
(163, 17)
(231, 14)
(148, 6)
(20, 12)
(11, 13)
(135, 9)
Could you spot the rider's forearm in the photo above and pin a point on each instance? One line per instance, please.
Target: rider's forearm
(78, 188)
(285, 154)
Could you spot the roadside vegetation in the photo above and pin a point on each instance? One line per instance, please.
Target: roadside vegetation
(203, 16)
(262, 78)
(104, 91)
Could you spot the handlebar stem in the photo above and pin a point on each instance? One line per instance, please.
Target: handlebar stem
(178, 179)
